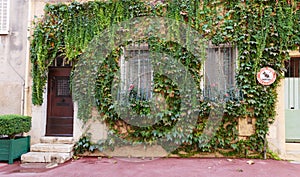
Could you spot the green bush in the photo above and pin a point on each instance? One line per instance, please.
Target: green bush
(13, 124)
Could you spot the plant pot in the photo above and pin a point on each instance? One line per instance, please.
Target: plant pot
(11, 149)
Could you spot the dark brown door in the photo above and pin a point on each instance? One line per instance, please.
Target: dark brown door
(60, 105)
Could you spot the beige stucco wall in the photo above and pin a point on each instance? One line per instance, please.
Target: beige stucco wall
(276, 137)
(94, 126)
(38, 128)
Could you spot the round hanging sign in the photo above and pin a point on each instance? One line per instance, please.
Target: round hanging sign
(266, 76)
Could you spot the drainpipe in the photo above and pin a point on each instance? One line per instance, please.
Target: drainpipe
(27, 63)
(23, 98)
(265, 146)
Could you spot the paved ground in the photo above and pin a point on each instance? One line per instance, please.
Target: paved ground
(165, 167)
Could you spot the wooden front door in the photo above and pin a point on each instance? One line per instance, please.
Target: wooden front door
(60, 105)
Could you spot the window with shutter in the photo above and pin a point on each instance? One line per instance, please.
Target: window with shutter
(4, 16)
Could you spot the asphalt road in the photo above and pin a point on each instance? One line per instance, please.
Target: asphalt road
(164, 167)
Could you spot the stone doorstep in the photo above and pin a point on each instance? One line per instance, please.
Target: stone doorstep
(45, 157)
(293, 155)
(292, 146)
(57, 140)
(34, 165)
(292, 151)
(43, 147)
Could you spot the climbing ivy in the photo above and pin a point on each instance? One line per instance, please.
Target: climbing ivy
(262, 30)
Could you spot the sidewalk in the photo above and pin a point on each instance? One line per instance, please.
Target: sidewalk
(164, 167)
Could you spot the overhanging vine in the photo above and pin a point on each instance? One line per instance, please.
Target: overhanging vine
(263, 31)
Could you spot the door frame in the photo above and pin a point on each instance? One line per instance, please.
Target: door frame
(47, 133)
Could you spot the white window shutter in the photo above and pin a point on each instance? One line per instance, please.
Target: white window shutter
(4, 16)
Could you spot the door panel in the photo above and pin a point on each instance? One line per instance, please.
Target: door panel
(60, 104)
(292, 124)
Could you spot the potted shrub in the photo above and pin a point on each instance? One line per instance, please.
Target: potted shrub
(12, 142)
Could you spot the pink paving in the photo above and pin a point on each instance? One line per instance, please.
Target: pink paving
(165, 167)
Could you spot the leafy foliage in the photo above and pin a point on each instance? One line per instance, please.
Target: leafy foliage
(263, 31)
(84, 144)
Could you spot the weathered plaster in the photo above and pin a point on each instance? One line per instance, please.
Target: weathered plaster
(13, 59)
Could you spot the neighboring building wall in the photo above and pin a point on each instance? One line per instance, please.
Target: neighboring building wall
(13, 57)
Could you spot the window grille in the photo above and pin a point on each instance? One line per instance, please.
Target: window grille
(220, 66)
(63, 86)
(4, 16)
(136, 72)
(137, 75)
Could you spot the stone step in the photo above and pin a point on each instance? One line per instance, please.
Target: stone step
(292, 146)
(293, 155)
(45, 157)
(44, 147)
(57, 140)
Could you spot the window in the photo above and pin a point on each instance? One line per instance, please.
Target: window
(136, 72)
(220, 68)
(4, 16)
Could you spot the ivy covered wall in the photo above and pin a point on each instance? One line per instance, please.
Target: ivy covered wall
(263, 31)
